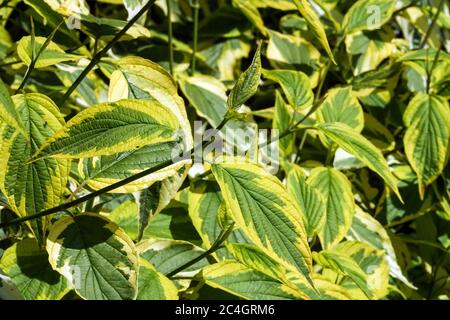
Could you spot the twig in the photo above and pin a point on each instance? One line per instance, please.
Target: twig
(194, 48)
(103, 52)
(432, 24)
(169, 21)
(216, 245)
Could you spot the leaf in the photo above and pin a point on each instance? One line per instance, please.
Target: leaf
(282, 121)
(336, 192)
(133, 7)
(247, 83)
(308, 199)
(345, 266)
(51, 55)
(295, 85)
(107, 28)
(205, 204)
(99, 172)
(247, 283)
(168, 255)
(153, 285)
(109, 128)
(377, 133)
(207, 95)
(8, 290)
(293, 52)
(251, 12)
(138, 78)
(367, 229)
(225, 57)
(372, 48)
(27, 266)
(53, 19)
(68, 7)
(156, 197)
(426, 139)
(361, 148)
(261, 207)
(32, 187)
(340, 105)
(372, 262)
(368, 15)
(315, 26)
(95, 256)
(8, 112)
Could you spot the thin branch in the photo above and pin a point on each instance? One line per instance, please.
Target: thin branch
(430, 71)
(432, 24)
(194, 49)
(223, 236)
(102, 53)
(169, 21)
(34, 56)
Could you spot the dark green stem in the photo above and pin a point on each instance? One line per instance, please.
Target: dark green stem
(194, 49)
(102, 53)
(169, 21)
(216, 245)
(430, 70)
(432, 24)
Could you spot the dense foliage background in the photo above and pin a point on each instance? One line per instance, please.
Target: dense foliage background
(354, 205)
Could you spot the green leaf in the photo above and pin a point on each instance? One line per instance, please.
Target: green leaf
(247, 283)
(207, 95)
(32, 187)
(282, 121)
(372, 262)
(100, 172)
(247, 83)
(205, 205)
(367, 229)
(372, 48)
(138, 78)
(109, 128)
(95, 256)
(261, 207)
(8, 112)
(295, 85)
(256, 259)
(107, 28)
(340, 105)
(377, 133)
(27, 266)
(156, 197)
(336, 192)
(53, 19)
(354, 143)
(168, 255)
(293, 52)
(51, 55)
(426, 139)
(344, 265)
(308, 199)
(226, 56)
(368, 15)
(251, 12)
(153, 285)
(315, 26)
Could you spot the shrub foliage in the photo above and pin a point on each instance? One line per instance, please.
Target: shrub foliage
(135, 161)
